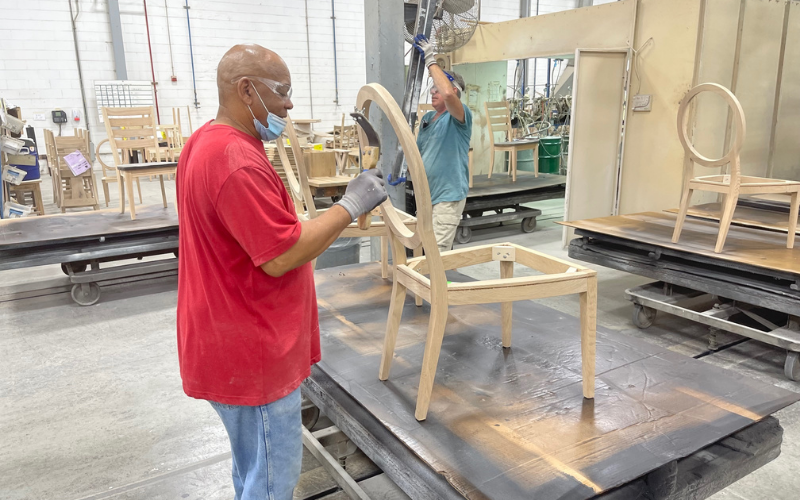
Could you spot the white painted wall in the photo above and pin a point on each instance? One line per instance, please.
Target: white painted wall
(38, 70)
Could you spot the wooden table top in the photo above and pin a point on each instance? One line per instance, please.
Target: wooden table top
(320, 182)
(512, 423)
(745, 245)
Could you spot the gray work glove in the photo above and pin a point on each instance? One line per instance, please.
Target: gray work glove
(364, 193)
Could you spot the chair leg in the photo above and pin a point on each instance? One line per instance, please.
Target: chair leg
(121, 186)
(685, 199)
(491, 162)
(795, 205)
(536, 161)
(163, 191)
(392, 326)
(139, 187)
(105, 192)
(506, 272)
(725, 220)
(588, 301)
(469, 167)
(417, 252)
(512, 167)
(131, 201)
(433, 346)
(384, 257)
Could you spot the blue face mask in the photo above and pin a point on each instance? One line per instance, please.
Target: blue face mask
(275, 124)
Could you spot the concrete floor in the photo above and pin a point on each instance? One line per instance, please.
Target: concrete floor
(91, 405)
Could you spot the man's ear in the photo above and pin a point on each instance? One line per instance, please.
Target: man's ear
(245, 90)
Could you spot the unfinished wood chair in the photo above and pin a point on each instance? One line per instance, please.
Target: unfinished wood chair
(109, 173)
(131, 129)
(52, 164)
(733, 184)
(425, 276)
(74, 191)
(300, 191)
(498, 119)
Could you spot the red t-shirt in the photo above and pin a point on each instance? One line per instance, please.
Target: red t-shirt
(244, 337)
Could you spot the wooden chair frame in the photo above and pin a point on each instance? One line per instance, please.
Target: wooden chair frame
(498, 119)
(74, 192)
(300, 192)
(425, 276)
(131, 129)
(733, 184)
(110, 174)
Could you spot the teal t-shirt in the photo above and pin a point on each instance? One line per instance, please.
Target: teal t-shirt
(444, 146)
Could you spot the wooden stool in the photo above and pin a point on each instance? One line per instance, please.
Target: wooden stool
(28, 190)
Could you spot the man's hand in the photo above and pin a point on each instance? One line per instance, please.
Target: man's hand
(425, 48)
(364, 193)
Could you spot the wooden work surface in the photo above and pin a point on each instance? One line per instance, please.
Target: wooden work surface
(513, 423)
(51, 229)
(742, 216)
(323, 182)
(135, 167)
(749, 246)
(501, 183)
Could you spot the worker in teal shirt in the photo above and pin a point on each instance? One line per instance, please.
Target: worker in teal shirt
(443, 141)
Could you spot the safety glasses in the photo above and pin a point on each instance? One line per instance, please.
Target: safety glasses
(280, 89)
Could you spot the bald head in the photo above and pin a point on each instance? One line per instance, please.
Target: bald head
(248, 60)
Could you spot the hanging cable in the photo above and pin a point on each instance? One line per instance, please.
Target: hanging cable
(191, 54)
(169, 42)
(308, 60)
(78, 59)
(152, 69)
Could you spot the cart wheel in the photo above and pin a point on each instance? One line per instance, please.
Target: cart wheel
(528, 224)
(335, 198)
(309, 414)
(792, 366)
(85, 294)
(463, 234)
(76, 268)
(643, 316)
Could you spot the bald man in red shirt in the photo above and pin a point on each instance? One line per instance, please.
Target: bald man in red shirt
(247, 311)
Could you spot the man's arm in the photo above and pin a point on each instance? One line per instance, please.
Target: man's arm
(316, 236)
(363, 193)
(445, 88)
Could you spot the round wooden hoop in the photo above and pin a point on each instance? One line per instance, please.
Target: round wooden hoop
(375, 93)
(738, 120)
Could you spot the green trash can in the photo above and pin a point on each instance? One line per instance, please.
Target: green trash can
(550, 155)
(525, 160)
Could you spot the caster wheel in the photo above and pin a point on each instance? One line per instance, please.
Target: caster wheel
(528, 224)
(792, 366)
(335, 198)
(85, 294)
(643, 316)
(76, 268)
(463, 234)
(309, 414)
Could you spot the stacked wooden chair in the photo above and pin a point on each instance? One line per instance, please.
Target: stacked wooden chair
(498, 119)
(129, 130)
(69, 190)
(732, 184)
(425, 276)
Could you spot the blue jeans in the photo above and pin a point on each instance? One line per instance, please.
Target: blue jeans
(267, 447)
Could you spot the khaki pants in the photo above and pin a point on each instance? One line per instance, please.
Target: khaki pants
(446, 216)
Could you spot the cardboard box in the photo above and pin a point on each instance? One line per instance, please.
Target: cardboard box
(320, 163)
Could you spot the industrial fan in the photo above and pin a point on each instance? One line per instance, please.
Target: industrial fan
(454, 22)
(448, 25)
